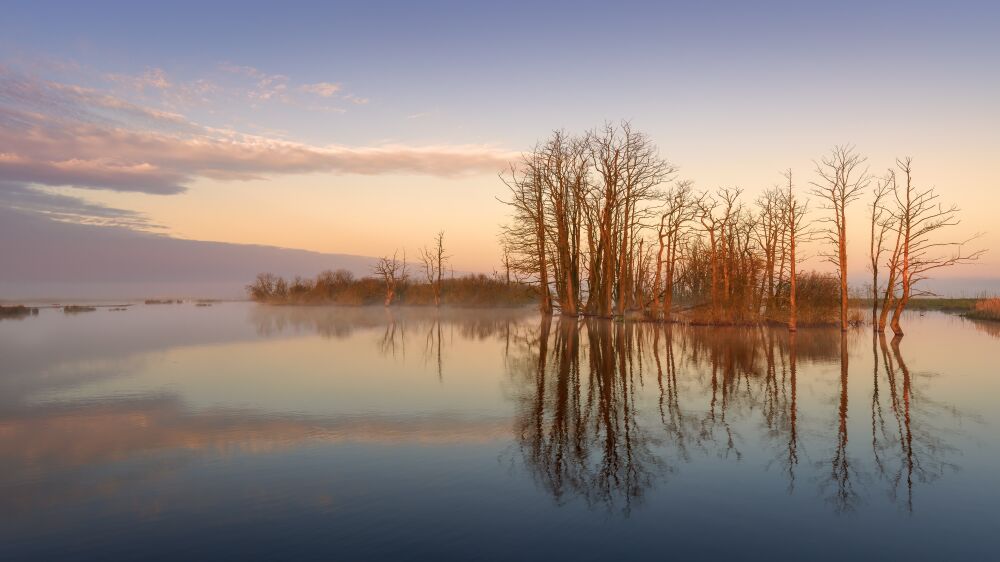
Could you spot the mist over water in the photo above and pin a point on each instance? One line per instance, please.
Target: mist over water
(360, 433)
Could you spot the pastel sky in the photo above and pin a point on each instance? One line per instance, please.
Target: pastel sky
(360, 127)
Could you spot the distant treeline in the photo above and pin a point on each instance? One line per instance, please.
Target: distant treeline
(343, 288)
(17, 311)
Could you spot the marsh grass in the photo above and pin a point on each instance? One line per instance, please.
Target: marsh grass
(986, 309)
(341, 288)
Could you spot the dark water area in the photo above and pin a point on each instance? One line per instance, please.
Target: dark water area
(166, 432)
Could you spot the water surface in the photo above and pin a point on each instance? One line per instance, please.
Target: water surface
(277, 432)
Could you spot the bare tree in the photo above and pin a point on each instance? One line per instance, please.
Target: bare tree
(526, 232)
(629, 170)
(842, 179)
(881, 225)
(718, 216)
(434, 260)
(564, 173)
(771, 226)
(679, 209)
(921, 217)
(712, 225)
(393, 273)
(796, 228)
(506, 259)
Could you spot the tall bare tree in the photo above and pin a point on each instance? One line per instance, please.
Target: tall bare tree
(679, 210)
(882, 224)
(843, 177)
(526, 231)
(628, 170)
(771, 225)
(921, 218)
(434, 260)
(796, 228)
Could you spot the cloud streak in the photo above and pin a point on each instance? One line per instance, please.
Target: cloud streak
(66, 208)
(64, 135)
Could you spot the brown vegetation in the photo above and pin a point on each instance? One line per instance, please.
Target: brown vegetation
(986, 309)
(17, 311)
(342, 288)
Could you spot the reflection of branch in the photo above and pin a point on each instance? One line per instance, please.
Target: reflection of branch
(387, 343)
(432, 347)
(793, 437)
(845, 497)
(674, 420)
(878, 419)
(920, 452)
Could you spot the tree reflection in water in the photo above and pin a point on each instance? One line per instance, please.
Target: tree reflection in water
(908, 450)
(605, 411)
(587, 428)
(579, 430)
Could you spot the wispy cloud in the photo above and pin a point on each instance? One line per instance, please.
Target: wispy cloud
(64, 135)
(268, 86)
(151, 78)
(228, 86)
(322, 89)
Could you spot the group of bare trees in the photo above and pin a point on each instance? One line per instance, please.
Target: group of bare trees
(601, 223)
(394, 271)
(580, 206)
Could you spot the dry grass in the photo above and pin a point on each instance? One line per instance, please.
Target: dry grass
(986, 309)
(341, 288)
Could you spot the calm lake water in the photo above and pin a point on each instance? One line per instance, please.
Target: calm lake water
(175, 431)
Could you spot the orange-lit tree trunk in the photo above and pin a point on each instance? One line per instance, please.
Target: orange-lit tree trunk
(842, 180)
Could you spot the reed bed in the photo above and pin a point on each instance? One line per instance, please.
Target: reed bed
(986, 309)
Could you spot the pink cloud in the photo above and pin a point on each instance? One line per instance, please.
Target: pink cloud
(64, 135)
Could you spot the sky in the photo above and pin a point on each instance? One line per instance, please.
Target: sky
(362, 127)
